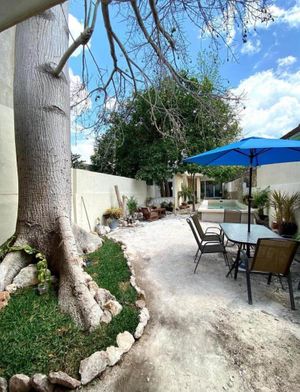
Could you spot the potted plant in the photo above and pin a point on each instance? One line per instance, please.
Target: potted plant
(186, 193)
(285, 206)
(112, 215)
(260, 201)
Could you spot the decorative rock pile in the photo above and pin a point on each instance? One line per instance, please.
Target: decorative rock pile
(95, 364)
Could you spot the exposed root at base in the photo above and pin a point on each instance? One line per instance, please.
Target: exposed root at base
(75, 297)
(12, 264)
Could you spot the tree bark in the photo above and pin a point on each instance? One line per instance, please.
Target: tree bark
(42, 133)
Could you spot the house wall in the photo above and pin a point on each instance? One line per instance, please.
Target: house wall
(284, 177)
(8, 165)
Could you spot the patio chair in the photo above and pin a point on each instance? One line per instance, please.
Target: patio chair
(212, 233)
(272, 257)
(206, 246)
(231, 216)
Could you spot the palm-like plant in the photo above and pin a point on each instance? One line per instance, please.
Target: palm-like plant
(277, 202)
(186, 193)
(285, 206)
(291, 203)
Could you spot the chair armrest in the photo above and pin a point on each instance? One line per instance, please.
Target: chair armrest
(213, 228)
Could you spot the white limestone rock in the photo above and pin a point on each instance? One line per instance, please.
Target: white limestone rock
(140, 303)
(61, 378)
(139, 330)
(125, 341)
(114, 307)
(26, 277)
(144, 316)
(106, 317)
(19, 383)
(93, 366)
(11, 288)
(102, 296)
(3, 385)
(114, 354)
(40, 383)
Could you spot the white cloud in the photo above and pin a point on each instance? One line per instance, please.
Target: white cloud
(272, 103)
(76, 28)
(111, 104)
(85, 148)
(78, 97)
(251, 47)
(290, 16)
(286, 61)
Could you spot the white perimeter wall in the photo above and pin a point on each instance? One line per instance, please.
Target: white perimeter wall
(284, 177)
(8, 165)
(96, 191)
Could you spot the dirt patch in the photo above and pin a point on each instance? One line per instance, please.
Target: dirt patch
(267, 362)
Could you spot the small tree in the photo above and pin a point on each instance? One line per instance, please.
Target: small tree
(77, 163)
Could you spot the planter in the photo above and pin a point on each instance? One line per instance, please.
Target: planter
(274, 225)
(287, 228)
(113, 223)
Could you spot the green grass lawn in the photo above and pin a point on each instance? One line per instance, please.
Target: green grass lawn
(35, 337)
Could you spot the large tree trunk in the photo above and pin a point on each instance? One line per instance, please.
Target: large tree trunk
(42, 130)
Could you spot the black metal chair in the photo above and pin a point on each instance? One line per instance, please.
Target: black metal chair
(272, 257)
(231, 216)
(209, 234)
(207, 244)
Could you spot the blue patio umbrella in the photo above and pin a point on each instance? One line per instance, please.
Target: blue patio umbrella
(251, 152)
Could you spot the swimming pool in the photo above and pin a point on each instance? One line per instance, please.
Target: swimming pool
(213, 210)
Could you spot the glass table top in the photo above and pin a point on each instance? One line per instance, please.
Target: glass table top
(238, 232)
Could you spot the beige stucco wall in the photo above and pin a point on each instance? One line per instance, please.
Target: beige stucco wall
(96, 191)
(283, 176)
(8, 167)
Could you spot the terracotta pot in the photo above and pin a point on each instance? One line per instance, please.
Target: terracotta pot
(274, 225)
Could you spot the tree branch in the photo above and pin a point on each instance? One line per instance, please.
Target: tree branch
(83, 39)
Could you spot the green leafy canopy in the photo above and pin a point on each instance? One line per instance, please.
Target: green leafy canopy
(144, 142)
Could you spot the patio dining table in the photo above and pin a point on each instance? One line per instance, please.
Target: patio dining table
(239, 234)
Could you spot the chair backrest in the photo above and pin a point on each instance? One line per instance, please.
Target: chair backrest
(198, 225)
(232, 216)
(274, 255)
(194, 231)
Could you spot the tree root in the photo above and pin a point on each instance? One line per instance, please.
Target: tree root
(75, 297)
(12, 264)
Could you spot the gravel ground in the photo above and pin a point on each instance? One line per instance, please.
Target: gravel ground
(203, 335)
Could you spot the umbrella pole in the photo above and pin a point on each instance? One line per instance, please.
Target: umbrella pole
(250, 198)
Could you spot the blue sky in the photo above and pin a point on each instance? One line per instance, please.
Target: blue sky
(266, 71)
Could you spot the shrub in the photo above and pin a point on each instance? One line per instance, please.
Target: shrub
(261, 200)
(132, 205)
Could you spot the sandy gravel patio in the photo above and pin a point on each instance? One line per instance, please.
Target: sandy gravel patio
(203, 335)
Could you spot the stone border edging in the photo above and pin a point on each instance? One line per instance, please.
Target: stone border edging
(94, 365)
